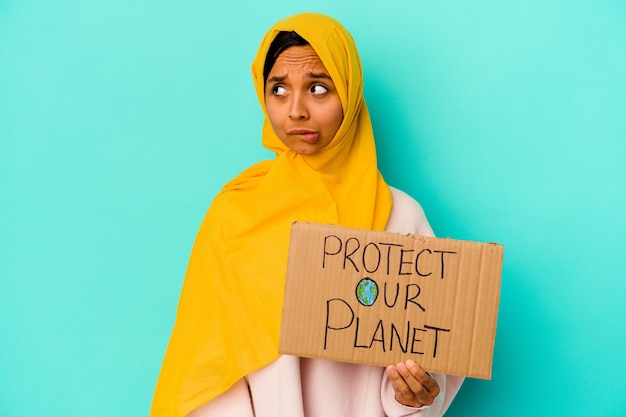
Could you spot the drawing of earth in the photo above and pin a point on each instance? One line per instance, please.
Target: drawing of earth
(367, 291)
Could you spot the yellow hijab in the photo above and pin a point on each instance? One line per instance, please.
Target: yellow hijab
(228, 318)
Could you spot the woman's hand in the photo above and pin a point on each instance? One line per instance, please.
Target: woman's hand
(413, 386)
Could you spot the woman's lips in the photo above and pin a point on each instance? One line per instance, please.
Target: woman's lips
(308, 135)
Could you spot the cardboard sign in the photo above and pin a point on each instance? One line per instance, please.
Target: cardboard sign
(379, 298)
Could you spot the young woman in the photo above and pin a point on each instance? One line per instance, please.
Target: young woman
(222, 359)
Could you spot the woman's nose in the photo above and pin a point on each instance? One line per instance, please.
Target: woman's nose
(297, 109)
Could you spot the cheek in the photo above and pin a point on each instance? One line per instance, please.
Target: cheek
(335, 117)
(273, 114)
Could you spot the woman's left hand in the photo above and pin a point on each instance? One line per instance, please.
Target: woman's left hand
(413, 386)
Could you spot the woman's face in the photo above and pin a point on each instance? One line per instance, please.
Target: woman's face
(301, 101)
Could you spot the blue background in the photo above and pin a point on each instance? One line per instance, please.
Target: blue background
(119, 122)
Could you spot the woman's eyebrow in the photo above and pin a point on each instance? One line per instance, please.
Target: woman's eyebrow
(276, 79)
(319, 75)
(281, 78)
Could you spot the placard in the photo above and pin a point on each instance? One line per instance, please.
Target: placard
(379, 298)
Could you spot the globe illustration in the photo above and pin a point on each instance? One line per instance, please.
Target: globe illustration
(367, 291)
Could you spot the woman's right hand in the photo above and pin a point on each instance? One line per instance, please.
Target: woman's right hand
(413, 386)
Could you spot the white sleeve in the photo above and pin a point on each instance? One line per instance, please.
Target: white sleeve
(407, 216)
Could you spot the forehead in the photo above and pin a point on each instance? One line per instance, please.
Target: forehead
(297, 57)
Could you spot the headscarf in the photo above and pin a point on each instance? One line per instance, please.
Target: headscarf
(229, 313)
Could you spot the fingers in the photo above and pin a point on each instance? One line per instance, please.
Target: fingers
(413, 386)
(423, 377)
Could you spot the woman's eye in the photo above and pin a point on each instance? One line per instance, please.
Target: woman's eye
(318, 89)
(278, 90)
